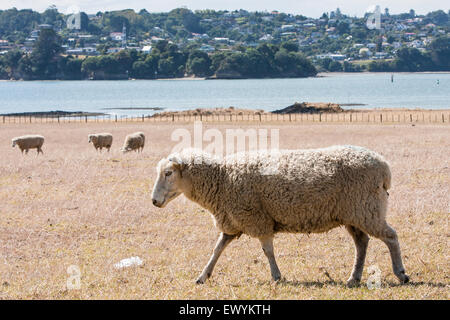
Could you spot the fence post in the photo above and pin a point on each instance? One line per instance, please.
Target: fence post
(142, 118)
(3, 119)
(116, 118)
(443, 118)
(410, 117)
(320, 117)
(85, 118)
(381, 117)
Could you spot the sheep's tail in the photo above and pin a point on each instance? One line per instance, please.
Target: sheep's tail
(386, 176)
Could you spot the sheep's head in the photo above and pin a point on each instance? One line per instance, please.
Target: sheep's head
(91, 138)
(14, 141)
(169, 182)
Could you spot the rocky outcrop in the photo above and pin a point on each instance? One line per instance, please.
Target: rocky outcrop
(311, 107)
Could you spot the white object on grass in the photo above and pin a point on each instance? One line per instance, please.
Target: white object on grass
(125, 263)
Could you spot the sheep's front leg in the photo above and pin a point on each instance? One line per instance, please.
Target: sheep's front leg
(222, 242)
(267, 246)
(361, 240)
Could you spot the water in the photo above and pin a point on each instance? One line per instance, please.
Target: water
(373, 90)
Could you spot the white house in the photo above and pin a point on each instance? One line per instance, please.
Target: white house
(146, 49)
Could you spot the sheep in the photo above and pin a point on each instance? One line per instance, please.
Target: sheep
(31, 141)
(134, 141)
(101, 140)
(298, 191)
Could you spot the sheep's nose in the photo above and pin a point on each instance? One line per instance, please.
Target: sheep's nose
(155, 203)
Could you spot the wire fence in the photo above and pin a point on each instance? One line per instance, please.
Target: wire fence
(431, 116)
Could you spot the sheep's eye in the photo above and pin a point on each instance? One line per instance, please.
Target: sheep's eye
(168, 173)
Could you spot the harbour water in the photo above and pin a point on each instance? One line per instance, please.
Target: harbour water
(373, 90)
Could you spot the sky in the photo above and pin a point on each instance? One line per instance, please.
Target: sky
(309, 8)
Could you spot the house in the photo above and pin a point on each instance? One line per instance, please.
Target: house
(332, 56)
(416, 44)
(116, 36)
(221, 40)
(146, 49)
(114, 50)
(287, 27)
(266, 37)
(156, 39)
(87, 51)
(380, 55)
(207, 48)
(365, 52)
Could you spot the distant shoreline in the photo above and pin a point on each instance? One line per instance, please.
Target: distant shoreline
(54, 114)
(191, 78)
(324, 74)
(212, 111)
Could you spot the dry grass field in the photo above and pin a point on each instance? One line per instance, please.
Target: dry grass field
(73, 206)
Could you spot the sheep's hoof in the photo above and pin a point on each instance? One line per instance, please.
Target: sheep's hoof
(405, 279)
(200, 280)
(352, 283)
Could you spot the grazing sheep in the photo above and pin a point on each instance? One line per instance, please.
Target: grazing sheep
(134, 141)
(262, 193)
(31, 141)
(101, 140)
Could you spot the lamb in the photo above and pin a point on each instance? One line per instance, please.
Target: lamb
(31, 141)
(134, 141)
(308, 191)
(101, 140)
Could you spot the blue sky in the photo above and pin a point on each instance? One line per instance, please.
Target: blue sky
(311, 8)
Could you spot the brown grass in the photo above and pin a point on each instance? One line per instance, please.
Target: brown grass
(74, 206)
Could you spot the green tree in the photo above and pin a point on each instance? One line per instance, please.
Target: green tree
(198, 64)
(45, 54)
(289, 46)
(146, 69)
(440, 53)
(343, 27)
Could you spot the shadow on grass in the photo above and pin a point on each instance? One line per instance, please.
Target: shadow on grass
(308, 284)
(418, 284)
(321, 284)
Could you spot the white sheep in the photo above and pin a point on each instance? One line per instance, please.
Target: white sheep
(307, 191)
(101, 140)
(31, 141)
(134, 141)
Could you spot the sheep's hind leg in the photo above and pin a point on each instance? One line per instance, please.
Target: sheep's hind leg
(361, 240)
(267, 246)
(389, 237)
(222, 243)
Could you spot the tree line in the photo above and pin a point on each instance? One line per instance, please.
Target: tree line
(437, 58)
(166, 60)
(412, 59)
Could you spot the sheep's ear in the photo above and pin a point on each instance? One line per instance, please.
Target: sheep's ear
(177, 162)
